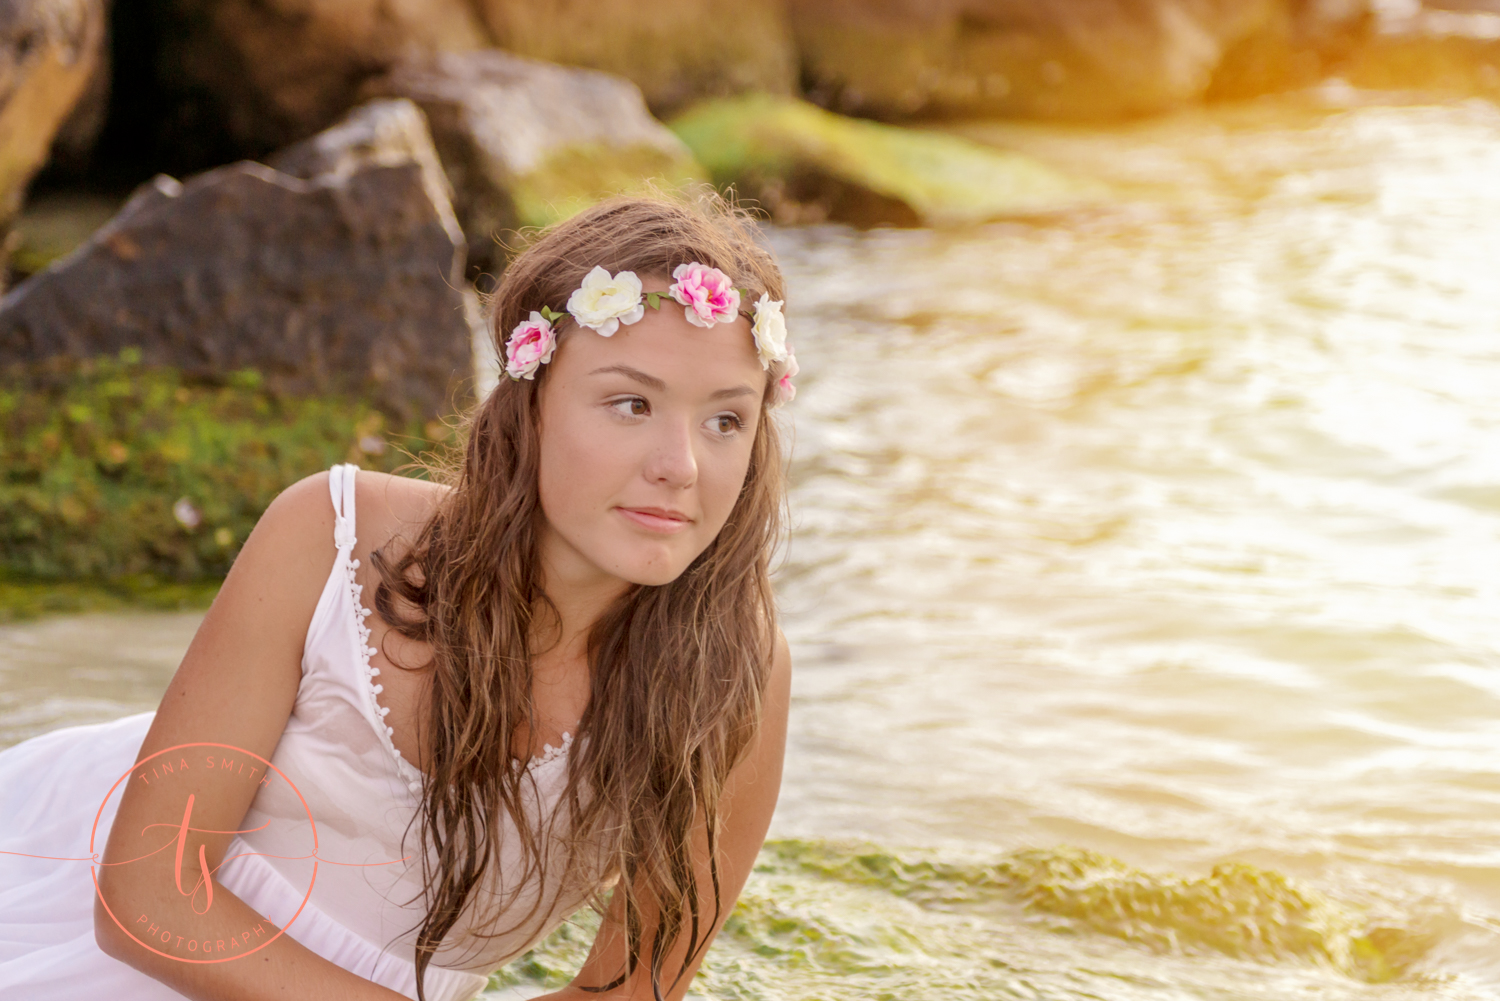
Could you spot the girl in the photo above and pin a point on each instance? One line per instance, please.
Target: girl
(568, 688)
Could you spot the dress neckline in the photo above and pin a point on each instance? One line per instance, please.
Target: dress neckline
(410, 774)
(344, 539)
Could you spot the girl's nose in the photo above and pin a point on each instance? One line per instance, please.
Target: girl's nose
(672, 462)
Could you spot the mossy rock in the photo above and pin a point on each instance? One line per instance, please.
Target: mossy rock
(30, 599)
(133, 481)
(805, 163)
(53, 226)
(1451, 65)
(1098, 61)
(573, 178)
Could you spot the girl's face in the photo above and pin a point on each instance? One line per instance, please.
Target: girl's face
(645, 443)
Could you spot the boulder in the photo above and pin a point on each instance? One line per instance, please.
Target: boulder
(1332, 27)
(271, 72)
(526, 143)
(1450, 48)
(73, 145)
(49, 50)
(279, 70)
(342, 280)
(1088, 59)
(805, 164)
(1298, 46)
(674, 50)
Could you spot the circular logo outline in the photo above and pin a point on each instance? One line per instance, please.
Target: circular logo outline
(94, 852)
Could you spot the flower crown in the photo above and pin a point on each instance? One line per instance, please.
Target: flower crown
(603, 302)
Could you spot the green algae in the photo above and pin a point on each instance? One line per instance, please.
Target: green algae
(770, 148)
(1238, 910)
(31, 599)
(792, 937)
(856, 921)
(132, 483)
(556, 960)
(52, 226)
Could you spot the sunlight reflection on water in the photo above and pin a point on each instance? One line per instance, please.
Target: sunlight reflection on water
(1168, 530)
(1165, 530)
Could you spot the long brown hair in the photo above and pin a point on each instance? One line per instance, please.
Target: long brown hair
(677, 670)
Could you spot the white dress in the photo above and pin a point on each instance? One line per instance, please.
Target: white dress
(337, 752)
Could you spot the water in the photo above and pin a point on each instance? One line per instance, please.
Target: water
(1143, 584)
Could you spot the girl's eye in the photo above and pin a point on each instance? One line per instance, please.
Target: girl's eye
(728, 424)
(632, 406)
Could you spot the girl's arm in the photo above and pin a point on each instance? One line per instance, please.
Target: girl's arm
(236, 686)
(749, 800)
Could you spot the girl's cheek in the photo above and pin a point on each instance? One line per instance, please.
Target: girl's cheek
(725, 486)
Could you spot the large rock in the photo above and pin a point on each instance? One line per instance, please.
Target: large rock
(674, 50)
(805, 164)
(1031, 58)
(48, 53)
(279, 70)
(1450, 48)
(76, 137)
(270, 72)
(345, 280)
(1298, 46)
(1332, 26)
(526, 143)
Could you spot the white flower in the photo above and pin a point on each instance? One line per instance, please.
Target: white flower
(186, 514)
(769, 329)
(603, 303)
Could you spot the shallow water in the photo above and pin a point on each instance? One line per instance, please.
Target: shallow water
(1169, 531)
(1142, 588)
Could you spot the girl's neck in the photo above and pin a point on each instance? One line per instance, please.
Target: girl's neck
(579, 590)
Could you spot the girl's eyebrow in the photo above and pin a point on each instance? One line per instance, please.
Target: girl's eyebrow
(649, 381)
(652, 382)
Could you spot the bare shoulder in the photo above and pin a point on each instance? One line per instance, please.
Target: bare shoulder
(392, 508)
(757, 777)
(284, 564)
(779, 683)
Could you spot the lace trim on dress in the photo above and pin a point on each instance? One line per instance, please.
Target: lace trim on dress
(549, 753)
(409, 772)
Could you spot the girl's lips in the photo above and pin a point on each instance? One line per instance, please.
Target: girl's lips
(656, 519)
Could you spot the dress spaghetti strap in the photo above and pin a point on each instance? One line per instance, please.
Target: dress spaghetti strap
(341, 488)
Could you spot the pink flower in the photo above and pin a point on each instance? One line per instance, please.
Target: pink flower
(707, 294)
(785, 391)
(530, 346)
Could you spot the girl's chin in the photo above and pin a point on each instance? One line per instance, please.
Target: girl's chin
(652, 576)
(648, 569)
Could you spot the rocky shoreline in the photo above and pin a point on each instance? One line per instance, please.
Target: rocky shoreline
(322, 194)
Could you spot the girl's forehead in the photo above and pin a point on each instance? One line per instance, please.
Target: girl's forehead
(666, 339)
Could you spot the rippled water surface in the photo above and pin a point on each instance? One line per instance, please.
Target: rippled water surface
(1143, 585)
(1169, 531)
